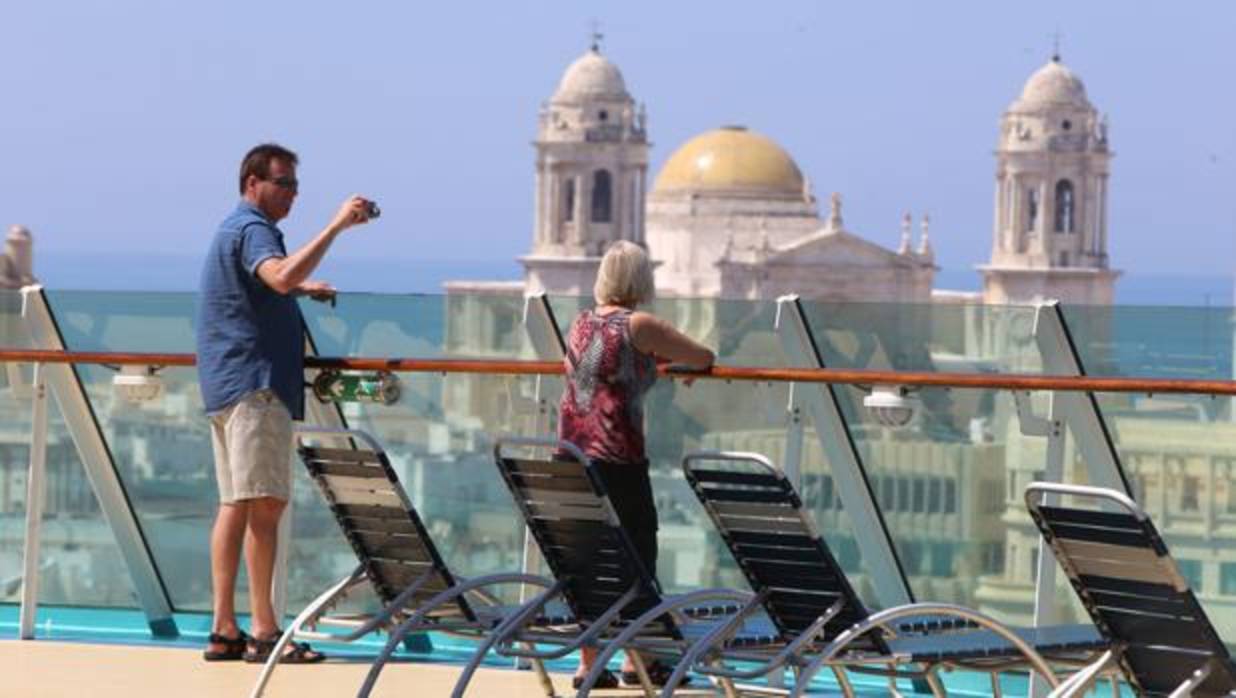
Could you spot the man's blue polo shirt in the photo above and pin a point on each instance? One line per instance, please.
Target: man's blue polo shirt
(249, 337)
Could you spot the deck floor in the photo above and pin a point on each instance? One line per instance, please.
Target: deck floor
(43, 669)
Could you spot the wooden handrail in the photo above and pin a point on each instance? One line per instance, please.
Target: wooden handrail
(988, 381)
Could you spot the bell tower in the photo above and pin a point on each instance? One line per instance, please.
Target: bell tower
(1052, 164)
(591, 168)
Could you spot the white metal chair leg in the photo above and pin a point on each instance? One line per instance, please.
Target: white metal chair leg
(1186, 689)
(1080, 682)
(311, 610)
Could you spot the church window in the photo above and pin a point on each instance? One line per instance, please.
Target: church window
(1064, 206)
(1032, 208)
(602, 115)
(568, 201)
(1066, 124)
(601, 196)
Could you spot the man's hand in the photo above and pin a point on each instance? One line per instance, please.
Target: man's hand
(317, 290)
(354, 211)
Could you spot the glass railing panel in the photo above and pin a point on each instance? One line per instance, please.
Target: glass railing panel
(1177, 450)
(79, 562)
(945, 482)
(466, 325)
(440, 432)
(161, 447)
(441, 446)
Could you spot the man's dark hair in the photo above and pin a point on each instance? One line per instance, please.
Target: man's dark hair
(257, 161)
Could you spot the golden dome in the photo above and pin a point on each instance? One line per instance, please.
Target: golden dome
(734, 160)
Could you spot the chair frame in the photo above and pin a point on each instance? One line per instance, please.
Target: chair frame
(806, 651)
(400, 615)
(608, 629)
(1116, 659)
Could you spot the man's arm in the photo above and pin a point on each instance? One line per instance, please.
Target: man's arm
(286, 274)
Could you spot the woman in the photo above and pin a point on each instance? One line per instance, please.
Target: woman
(612, 356)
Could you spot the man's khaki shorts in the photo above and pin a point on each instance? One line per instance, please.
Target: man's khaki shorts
(252, 441)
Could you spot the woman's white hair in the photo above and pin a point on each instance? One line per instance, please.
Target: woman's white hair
(625, 276)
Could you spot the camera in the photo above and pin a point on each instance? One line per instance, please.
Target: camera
(371, 210)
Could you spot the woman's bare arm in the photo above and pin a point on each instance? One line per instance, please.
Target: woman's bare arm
(653, 335)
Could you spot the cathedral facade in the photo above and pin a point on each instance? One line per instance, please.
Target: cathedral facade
(731, 215)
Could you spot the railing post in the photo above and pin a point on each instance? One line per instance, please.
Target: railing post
(36, 488)
(1052, 428)
(792, 462)
(542, 329)
(1079, 410)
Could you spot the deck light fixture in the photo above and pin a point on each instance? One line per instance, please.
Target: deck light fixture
(135, 383)
(891, 405)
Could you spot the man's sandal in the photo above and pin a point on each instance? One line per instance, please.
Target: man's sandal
(294, 653)
(233, 647)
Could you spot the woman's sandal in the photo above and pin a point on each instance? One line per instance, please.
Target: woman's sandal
(658, 674)
(294, 653)
(605, 680)
(233, 647)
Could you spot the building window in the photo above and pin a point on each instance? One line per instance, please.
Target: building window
(1189, 486)
(950, 497)
(903, 494)
(942, 559)
(992, 561)
(1032, 208)
(933, 495)
(888, 498)
(920, 495)
(1227, 578)
(1191, 570)
(912, 557)
(601, 196)
(1064, 259)
(1064, 206)
(568, 201)
(1231, 494)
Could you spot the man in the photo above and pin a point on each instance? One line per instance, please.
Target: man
(250, 356)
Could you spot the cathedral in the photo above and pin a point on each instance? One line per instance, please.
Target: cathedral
(731, 215)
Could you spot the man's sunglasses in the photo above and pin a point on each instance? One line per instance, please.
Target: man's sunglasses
(286, 182)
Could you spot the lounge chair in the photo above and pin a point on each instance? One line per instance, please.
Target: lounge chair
(1160, 637)
(617, 604)
(819, 619)
(397, 557)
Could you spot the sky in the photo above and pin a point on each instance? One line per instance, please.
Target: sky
(124, 122)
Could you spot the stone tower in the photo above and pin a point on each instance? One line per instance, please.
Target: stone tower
(1050, 228)
(591, 165)
(17, 264)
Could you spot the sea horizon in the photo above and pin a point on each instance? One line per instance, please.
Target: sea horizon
(163, 272)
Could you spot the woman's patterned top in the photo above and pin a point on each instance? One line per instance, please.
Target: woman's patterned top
(602, 410)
